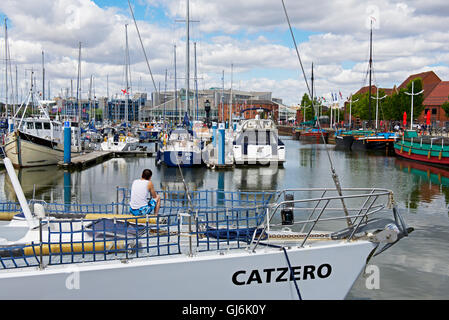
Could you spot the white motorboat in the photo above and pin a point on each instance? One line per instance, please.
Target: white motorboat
(257, 142)
(119, 143)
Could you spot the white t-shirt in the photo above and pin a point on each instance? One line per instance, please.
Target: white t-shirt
(139, 194)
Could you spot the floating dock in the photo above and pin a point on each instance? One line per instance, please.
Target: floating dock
(96, 157)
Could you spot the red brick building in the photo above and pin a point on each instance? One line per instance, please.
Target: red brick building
(435, 93)
(433, 103)
(429, 79)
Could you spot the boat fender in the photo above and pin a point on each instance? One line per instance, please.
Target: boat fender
(410, 151)
(428, 155)
(440, 155)
(388, 235)
(402, 148)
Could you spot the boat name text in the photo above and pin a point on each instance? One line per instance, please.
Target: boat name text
(243, 277)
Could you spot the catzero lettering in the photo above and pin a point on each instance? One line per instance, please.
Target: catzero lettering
(283, 274)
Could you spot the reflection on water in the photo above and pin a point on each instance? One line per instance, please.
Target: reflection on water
(415, 185)
(430, 182)
(35, 182)
(415, 267)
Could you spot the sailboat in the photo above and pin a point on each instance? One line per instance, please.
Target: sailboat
(122, 142)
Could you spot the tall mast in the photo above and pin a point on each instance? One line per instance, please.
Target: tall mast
(176, 87)
(312, 94)
(231, 98)
(196, 83)
(165, 95)
(187, 58)
(6, 68)
(90, 97)
(126, 76)
(78, 94)
(43, 77)
(370, 68)
(17, 92)
(222, 97)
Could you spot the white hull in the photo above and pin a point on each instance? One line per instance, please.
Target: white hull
(24, 153)
(127, 144)
(238, 275)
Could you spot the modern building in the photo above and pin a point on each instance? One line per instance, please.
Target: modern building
(172, 105)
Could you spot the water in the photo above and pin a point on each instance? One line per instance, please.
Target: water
(415, 268)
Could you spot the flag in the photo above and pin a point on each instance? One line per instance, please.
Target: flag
(341, 96)
(404, 121)
(124, 91)
(428, 118)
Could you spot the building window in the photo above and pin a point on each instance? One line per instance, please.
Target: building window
(434, 111)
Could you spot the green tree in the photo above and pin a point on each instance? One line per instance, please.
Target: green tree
(445, 107)
(306, 103)
(400, 102)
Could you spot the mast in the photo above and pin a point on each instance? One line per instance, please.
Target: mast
(370, 70)
(196, 83)
(78, 94)
(187, 58)
(17, 92)
(107, 100)
(165, 96)
(231, 98)
(176, 87)
(126, 76)
(312, 94)
(6, 68)
(43, 77)
(222, 98)
(90, 97)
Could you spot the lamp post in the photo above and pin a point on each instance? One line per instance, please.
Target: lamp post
(207, 109)
(377, 104)
(412, 94)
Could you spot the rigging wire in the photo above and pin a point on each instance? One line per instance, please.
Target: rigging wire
(334, 173)
(143, 48)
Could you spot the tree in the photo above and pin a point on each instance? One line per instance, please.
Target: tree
(306, 104)
(445, 107)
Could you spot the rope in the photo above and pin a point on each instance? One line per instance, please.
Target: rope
(334, 174)
(291, 273)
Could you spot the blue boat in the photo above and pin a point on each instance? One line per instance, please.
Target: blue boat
(180, 147)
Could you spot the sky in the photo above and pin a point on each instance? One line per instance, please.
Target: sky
(249, 40)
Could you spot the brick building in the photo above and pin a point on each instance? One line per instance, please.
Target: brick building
(433, 103)
(436, 92)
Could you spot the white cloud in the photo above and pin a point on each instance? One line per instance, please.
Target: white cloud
(410, 38)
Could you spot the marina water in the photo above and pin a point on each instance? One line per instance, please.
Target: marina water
(415, 268)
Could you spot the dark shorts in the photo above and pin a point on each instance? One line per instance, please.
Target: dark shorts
(142, 211)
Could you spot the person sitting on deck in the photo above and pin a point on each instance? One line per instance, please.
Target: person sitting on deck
(141, 190)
